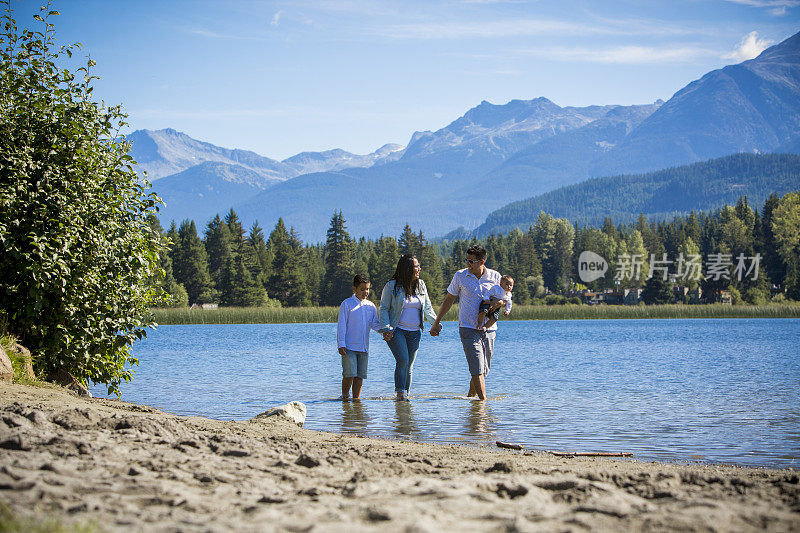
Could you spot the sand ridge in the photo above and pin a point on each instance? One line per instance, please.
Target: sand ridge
(131, 468)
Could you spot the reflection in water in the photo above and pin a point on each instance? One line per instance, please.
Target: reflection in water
(354, 417)
(479, 418)
(404, 423)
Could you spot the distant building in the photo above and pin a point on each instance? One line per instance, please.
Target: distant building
(204, 306)
(725, 298)
(612, 297)
(632, 296)
(591, 298)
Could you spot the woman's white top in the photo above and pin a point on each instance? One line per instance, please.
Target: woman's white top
(411, 317)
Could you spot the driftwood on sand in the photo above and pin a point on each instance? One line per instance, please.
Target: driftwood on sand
(511, 446)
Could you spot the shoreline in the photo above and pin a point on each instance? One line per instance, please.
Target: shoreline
(129, 467)
(305, 315)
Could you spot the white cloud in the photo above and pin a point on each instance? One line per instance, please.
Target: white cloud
(626, 55)
(749, 47)
(520, 27)
(276, 18)
(209, 34)
(775, 7)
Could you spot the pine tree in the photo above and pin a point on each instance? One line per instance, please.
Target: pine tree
(218, 247)
(408, 243)
(431, 271)
(692, 229)
(383, 262)
(191, 265)
(609, 228)
(285, 281)
(656, 291)
(174, 293)
(306, 284)
(563, 240)
(172, 237)
(313, 271)
(786, 227)
(338, 262)
(236, 229)
(257, 256)
(242, 289)
(456, 260)
(771, 264)
(638, 252)
(544, 234)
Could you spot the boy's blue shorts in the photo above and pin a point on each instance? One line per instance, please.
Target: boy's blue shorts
(354, 365)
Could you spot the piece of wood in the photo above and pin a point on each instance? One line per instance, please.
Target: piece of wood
(592, 454)
(509, 445)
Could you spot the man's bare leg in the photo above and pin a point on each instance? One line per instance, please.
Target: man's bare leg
(478, 385)
(346, 383)
(357, 382)
(471, 392)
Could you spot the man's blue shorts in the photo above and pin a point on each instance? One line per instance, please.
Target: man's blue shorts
(354, 365)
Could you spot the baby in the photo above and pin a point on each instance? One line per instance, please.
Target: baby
(498, 295)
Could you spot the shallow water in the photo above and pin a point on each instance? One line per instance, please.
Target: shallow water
(717, 390)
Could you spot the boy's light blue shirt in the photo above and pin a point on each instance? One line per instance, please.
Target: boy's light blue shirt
(356, 318)
(392, 305)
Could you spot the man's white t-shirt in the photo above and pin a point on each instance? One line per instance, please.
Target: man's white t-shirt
(470, 291)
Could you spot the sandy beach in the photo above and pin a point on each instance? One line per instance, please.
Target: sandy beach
(125, 467)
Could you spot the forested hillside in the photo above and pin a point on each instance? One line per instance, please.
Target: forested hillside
(658, 195)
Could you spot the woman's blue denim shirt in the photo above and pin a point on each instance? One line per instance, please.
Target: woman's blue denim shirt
(392, 305)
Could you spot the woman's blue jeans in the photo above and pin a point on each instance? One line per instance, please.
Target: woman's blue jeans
(404, 345)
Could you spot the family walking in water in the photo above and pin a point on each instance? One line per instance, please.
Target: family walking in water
(405, 306)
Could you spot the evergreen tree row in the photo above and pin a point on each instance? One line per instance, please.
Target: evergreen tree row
(234, 267)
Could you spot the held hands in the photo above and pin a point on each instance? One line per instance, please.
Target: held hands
(342, 351)
(387, 335)
(435, 329)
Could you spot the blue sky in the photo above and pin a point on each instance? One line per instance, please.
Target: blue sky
(281, 77)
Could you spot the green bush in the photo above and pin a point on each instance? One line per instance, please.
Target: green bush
(736, 296)
(76, 254)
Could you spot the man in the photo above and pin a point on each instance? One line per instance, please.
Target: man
(469, 285)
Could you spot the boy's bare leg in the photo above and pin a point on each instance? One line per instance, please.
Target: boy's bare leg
(346, 383)
(357, 382)
(481, 318)
(478, 385)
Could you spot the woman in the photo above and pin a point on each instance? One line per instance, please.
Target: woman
(404, 306)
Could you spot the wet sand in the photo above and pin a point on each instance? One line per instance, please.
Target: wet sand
(128, 467)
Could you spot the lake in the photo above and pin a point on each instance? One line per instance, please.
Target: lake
(710, 390)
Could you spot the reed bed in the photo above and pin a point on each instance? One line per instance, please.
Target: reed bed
(584, 312)
(290, 315)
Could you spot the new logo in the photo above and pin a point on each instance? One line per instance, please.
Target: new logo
(591, 266)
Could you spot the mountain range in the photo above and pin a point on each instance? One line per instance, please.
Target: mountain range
(491, 156)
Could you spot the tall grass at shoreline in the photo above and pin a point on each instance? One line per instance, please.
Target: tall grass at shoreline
(289, 315)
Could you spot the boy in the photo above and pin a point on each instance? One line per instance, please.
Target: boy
(498, 294)
(357, 316)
